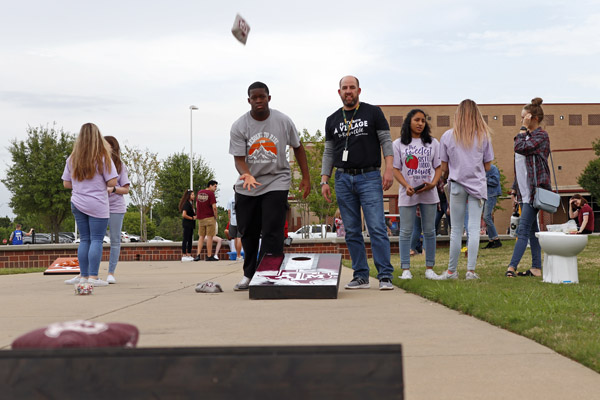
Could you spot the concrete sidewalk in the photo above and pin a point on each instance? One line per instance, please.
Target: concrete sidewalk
(447, 355)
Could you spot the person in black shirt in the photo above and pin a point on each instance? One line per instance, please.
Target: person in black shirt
(186, 207)
(355, 135)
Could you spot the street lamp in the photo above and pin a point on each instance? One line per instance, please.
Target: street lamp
(192, 108)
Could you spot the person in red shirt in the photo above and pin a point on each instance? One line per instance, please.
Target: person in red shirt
(206, 213)
(580, 209)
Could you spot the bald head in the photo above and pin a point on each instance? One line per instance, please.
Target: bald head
(349, 91)
(350, 77)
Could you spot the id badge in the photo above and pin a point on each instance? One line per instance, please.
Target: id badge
(345, 155)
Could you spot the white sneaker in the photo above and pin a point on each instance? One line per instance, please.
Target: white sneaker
(244, 284)
(446, 276)
(471, 275)
(73, 281)
(430, 274)
(406, 274)
(111, 279)
(97, 282)
(187, 259)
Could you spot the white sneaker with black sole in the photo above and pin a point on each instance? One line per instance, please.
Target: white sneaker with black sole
(386, 284)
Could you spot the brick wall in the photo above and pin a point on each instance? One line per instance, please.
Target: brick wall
(42, 255)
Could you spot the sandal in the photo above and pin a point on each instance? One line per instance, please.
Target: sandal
(526, 273)
(510, 274)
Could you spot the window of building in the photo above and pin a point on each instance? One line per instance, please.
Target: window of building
(485, 118)
(594, 119)
(396, 122)
(575, 119)
(509, 120)
(443, 120)
(548, 120)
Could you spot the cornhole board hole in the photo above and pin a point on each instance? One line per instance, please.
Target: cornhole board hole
(63, 265)
(297, 276)
(263, 372)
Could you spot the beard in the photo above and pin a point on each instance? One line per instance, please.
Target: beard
(350, 101)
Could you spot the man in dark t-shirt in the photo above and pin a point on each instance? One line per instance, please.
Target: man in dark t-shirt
(206, 213)
(355, 135)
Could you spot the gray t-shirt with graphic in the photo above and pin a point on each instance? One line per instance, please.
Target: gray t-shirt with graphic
(264, 144)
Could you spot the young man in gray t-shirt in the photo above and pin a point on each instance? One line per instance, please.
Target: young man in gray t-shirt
(258, 143)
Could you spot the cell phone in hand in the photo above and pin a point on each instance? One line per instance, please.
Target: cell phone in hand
(421, 186)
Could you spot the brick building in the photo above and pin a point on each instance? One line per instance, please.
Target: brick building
(572, 129)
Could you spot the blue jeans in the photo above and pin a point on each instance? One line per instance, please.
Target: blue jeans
(416, 234)
(526, 232)
(488, 210)
(354, 192)
(89, 252)
(440, 214)
(115, 223)
(407, 217)
(458, 208)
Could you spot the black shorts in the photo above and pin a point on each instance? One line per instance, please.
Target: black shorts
(233, 232)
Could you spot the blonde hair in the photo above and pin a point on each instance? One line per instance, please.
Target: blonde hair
(469, 125)
(338, 214)
(535, 109)
(90, 153)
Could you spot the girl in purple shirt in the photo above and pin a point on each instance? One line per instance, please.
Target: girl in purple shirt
(466, 153)
(117, 206)
(417, 169)
(88, 171)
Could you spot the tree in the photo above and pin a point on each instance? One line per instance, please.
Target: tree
(173, 179)
(590, 178)
(170, 228)
(5, 222)
(34, 177)
(143, 169)
(131, 224)
(315, 202)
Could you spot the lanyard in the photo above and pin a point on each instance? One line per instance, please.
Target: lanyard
(349, 125)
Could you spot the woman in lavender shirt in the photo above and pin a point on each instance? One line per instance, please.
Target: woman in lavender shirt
(417, 169)
(89, 170)
(117, 206)
(466, 153)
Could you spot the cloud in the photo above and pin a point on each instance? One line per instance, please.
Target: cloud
(552, 40)
(55, 100)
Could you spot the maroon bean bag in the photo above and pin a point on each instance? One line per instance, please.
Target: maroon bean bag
(79, 334)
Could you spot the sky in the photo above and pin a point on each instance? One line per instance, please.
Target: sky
(135, 67)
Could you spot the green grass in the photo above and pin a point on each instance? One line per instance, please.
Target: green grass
(563, 317)
(13, 271)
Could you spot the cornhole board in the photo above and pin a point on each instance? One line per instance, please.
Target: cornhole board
(62, 266)
(262, 372)
(297, 276)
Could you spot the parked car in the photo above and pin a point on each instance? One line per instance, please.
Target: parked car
(40, 238)
(313, 232)
(70, 235)
(133, 238)
(125, 237)
(158, 239)
(105, 240)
